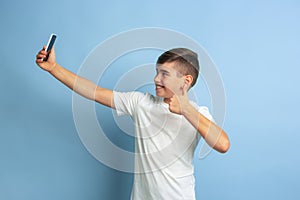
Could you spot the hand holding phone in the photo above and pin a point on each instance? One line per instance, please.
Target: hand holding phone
(50, 45)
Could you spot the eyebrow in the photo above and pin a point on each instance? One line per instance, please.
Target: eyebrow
(162, 70)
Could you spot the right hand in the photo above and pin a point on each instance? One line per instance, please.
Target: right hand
(48, 65)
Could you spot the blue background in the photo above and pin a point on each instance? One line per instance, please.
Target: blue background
(255, 45)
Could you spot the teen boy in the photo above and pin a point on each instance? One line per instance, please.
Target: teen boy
(167, 126)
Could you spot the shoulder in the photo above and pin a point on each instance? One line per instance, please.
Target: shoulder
(131, 102)
(136, 96)
(204, 110)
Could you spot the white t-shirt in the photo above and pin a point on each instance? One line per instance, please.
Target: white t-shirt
(164, 147)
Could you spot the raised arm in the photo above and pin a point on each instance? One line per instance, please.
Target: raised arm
(211, 132)
(76, 83)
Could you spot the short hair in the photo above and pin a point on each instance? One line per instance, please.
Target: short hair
(186, 61)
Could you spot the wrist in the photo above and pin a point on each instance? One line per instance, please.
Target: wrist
(186, 109)
(52, 68)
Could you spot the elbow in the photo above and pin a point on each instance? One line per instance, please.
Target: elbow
(220, 142)
(224, 146)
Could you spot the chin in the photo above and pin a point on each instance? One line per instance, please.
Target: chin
(163, 95)
(159, 95)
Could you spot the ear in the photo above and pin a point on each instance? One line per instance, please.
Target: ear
(188, 80)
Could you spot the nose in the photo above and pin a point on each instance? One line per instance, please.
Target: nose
(156, 78)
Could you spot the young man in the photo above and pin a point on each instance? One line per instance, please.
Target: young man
(167, 126)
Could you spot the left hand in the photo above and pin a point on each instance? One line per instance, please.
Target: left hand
(178, 103)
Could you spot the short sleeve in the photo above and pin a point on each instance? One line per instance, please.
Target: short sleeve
(126, 102)
(205, 111)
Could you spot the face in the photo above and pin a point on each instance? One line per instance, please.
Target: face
(168, 80)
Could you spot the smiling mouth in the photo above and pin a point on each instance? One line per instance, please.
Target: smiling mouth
(159, 86)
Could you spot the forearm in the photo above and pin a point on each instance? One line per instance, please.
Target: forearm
(213, 134)
(76, 83)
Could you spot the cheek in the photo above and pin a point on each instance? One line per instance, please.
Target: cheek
(172, 85)
(178, 85)
(167, 83)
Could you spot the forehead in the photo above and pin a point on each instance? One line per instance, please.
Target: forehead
(169, 67)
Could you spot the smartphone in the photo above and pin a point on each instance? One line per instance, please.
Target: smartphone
(50, 44)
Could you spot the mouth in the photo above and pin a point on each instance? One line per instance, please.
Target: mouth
(157, 87)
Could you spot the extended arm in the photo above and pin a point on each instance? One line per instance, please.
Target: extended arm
(76, 83)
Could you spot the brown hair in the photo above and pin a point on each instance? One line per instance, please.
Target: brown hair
(186, 61)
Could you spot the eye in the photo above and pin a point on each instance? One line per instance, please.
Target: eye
(162, 72)
(165, 73)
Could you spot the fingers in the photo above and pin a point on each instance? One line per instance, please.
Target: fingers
(46, 60)
(41, 55)
(174, 105)
(184, 89)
